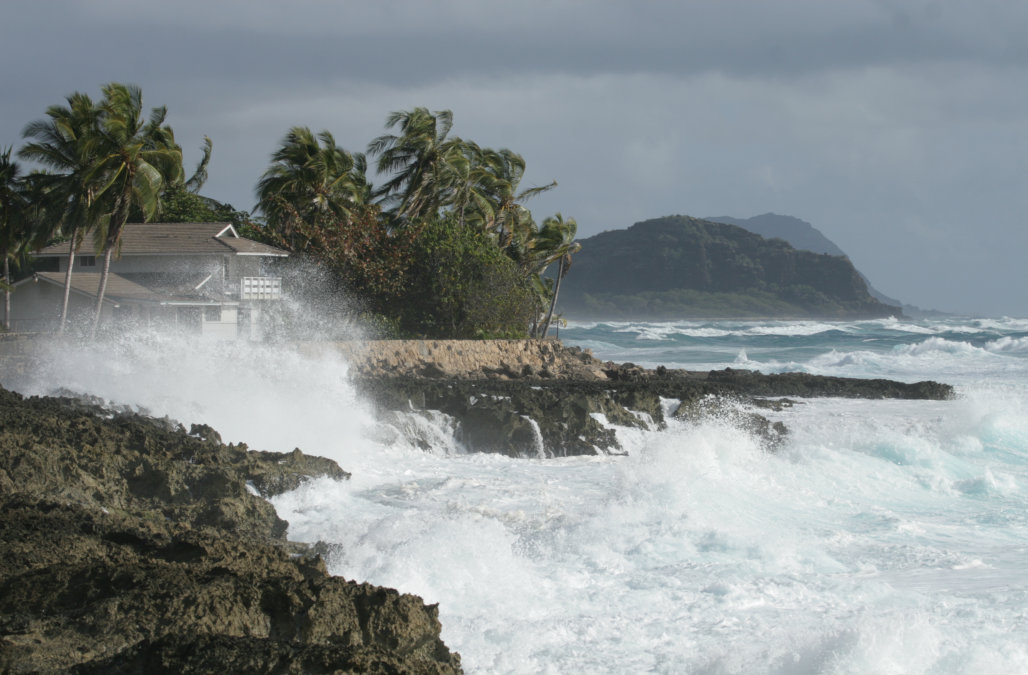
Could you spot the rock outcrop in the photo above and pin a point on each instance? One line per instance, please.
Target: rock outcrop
(462, 359)
(130, 545)
(530, 415)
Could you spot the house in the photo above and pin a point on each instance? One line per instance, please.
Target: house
(199, 277)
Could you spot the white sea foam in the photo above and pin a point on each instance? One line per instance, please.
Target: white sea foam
(795, 329)
(894, 324)
(665, 331)
(674, 558)
(268, 396)
(884, 536)
(1008, 344)
(937, 344)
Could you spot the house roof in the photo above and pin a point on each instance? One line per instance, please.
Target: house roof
(120, 289)
(88, 283)
(180, 239)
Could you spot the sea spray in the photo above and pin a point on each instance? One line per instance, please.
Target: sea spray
(267, 395)
(882, 536)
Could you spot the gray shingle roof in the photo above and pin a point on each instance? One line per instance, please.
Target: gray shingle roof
(88, 283)
(179, 239)
(121, 289)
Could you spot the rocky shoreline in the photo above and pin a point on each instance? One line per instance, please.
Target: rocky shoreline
(563, 401)
(128, 544)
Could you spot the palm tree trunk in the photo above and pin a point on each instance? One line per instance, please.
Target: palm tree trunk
(108, 250)
(67, 280)
(7, 293)
(553, 301)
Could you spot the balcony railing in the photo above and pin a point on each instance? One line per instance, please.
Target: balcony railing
(260, 288)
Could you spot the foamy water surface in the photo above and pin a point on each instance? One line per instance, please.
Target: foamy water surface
(884, 537)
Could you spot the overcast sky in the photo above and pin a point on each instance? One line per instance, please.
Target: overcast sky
(899, 129)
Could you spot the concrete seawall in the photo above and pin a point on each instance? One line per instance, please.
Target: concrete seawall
(463, 358)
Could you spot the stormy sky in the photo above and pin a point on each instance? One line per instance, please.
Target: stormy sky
(899, 129)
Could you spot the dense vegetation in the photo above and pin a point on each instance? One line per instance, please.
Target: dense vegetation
(444, 247)
(678, 266)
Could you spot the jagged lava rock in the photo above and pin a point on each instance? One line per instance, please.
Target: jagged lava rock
(524, 415)
(128, 545)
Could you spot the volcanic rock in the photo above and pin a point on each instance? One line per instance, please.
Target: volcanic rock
(577, 412)
(129, 545)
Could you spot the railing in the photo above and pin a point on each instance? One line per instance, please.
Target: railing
(260, 288)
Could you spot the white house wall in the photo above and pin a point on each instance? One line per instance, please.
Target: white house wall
(225, 327)
(245, 266)
(36, 306)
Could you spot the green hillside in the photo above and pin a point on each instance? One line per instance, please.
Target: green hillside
(681, 267)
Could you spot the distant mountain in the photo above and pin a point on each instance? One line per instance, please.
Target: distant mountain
(680, 267)
(799, 233)
(805, 237)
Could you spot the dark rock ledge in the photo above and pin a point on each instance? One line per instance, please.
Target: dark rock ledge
(513, 411)
(128, 545)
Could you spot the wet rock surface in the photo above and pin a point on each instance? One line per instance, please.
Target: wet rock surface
(128, 544)
(526, 415)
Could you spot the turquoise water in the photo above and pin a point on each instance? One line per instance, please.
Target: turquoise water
(883, 537)
(900, 349)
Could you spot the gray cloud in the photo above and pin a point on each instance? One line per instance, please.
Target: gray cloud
(897, 130)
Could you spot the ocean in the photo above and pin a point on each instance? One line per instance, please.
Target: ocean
(882, 537)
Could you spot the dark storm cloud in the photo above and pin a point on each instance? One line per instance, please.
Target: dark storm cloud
(900, 129)
(404, 44)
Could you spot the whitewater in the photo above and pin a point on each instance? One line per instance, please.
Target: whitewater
(882, 537)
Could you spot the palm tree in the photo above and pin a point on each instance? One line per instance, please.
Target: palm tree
(13, 231)
(417, 159)
(311, 178)
(199, 176)
(465, 182)
(502, 174)
(65, 142)
(557, 238)
(135, 159)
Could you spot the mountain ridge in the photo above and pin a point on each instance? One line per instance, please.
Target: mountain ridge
(685, 267)
(804, 236)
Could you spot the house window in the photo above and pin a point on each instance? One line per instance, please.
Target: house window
(212, 314)
(87, 261)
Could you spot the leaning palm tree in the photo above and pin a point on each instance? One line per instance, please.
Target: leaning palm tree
(134, 159)
(65, 142)
(199, 177)
(13, 221)
(416, 160)
(27, 222)
(310, 178)
(466, 180)
(502, 174)
(557, 237)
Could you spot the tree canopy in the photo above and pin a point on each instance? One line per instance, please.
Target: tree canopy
(444, 246)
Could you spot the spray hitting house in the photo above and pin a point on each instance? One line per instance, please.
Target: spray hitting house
(202, 278)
